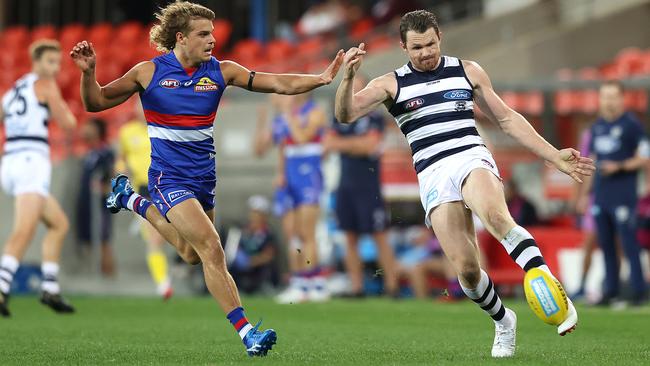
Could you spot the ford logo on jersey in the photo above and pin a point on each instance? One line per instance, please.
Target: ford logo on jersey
(170, 83)
(456, 94)
(413, 104)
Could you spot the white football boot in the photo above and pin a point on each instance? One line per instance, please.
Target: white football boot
(505, 337)
(571, 322)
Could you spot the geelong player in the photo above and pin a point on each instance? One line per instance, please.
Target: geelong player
(180, 93)
(432, 99)
(26, 169)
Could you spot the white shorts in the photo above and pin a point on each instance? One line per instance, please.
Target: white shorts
(26, 172)
(442, 181)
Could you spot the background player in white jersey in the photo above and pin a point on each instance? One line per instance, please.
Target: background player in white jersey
(26, 168)
(432, 100)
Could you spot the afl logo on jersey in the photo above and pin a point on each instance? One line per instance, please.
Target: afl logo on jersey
(414, 104)
(170, 83)
(206, 85)
(456, 94)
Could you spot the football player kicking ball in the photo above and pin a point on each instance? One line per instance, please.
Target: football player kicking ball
(432, 99)
(180, 93)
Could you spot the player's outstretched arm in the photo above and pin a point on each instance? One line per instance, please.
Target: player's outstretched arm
(348, 106)
(97, 98)
(514, 124)
(237, 75)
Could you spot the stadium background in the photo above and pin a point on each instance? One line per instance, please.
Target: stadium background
(545, 57)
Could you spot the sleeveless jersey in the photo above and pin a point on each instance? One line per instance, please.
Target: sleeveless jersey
(299, 157)
(25, 118)
(435, 111)
(180, 111)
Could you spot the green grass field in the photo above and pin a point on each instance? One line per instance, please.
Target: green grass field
(125, 331)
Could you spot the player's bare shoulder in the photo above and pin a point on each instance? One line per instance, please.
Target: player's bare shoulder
(386, 83)
(474, 72)
(142, 73)
(44, 88)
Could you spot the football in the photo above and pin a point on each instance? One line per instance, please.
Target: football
(545, 296)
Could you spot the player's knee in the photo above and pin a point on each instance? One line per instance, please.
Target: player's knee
(470, 273)
(62, 225)
(191, 257)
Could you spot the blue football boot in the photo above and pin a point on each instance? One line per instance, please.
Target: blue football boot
(257, 342)
(120, 186)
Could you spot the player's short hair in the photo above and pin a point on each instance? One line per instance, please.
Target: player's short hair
(615, 83)
(39, 47)
(175, 18)
(419, 21)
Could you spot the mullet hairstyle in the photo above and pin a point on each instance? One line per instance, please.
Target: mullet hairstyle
(175, 18)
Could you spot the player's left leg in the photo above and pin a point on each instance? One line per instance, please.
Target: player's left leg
(454, 228)
(483, 193)
(57, 228)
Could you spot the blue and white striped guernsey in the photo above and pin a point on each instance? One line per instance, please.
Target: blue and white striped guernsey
(435, 111)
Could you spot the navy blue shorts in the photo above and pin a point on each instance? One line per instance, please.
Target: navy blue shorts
(168, 191)
(361, 210)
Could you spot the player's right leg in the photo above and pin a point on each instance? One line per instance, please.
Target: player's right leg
(454, 228)
(482, 192)
(27, 213)
(353, 264)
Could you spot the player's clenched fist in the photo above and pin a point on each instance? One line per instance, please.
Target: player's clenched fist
(83, 55)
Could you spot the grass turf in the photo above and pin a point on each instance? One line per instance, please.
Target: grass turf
(125, 331)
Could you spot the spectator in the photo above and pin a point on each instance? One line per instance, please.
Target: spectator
(620, 149)
(423, 259)
(94, 222)
(252, 266)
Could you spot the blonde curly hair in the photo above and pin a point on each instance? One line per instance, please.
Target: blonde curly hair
(175, 18)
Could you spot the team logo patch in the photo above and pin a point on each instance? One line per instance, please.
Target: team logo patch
(174, 195)
(456, 94)
(414, 104)
(170, 83)
(206, 85)
(461, 105)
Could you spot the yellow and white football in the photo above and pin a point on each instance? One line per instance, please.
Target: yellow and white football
(545, 296)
